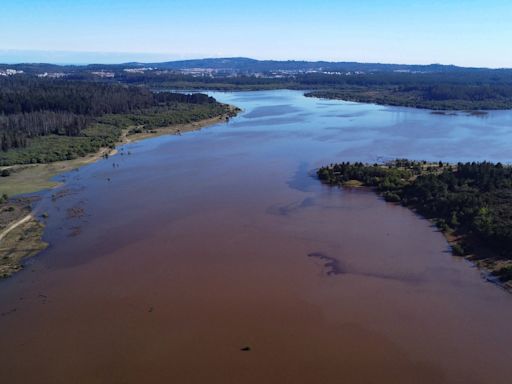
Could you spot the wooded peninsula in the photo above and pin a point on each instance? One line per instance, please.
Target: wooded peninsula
(470, 202)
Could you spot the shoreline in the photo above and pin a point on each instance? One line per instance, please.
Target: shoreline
(435, 107)
(32, 178)
(21, 235)
(482, 257)
(470, 110)
(178, 129)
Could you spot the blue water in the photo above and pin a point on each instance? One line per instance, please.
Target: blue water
(332, 130)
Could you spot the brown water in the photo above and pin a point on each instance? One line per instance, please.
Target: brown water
(203, 244)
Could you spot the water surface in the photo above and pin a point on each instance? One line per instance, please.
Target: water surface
(192, 247)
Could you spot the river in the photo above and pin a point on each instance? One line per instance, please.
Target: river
(169, 258)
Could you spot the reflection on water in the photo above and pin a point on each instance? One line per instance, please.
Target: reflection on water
(202, 244)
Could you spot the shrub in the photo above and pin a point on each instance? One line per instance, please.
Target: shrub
(391, 197)
(458, 250)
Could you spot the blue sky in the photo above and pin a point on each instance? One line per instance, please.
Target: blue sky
(462, 32)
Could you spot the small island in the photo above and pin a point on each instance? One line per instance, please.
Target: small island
(471, 203)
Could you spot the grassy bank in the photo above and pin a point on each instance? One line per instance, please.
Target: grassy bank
(29, 178)
(20, 235)
(32, 177)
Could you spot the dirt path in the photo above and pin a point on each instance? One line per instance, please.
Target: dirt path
(15, 225)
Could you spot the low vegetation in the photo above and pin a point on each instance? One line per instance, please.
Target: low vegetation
(17, 242)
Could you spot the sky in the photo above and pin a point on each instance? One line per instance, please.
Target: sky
(460, 32)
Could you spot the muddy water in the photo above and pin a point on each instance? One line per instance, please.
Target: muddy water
(168, 260)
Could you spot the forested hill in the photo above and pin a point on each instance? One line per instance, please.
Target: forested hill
(248, 65)
(244, 64)
(37, 115)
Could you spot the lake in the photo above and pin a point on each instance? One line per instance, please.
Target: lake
(169, 258)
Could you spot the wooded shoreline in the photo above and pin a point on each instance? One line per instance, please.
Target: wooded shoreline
(469, 203)
(21, 230)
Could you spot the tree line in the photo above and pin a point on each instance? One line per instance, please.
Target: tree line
(461, 89)
(31, 107)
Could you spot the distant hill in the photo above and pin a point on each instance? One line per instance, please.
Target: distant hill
(247, 65)
(242, 64)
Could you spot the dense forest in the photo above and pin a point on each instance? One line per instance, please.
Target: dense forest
(45, 120)
(436, 97)
(439, 87)
(441, 91)
(472, 199)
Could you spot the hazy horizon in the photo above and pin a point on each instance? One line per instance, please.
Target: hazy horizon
(468, 33)
(79, 58)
